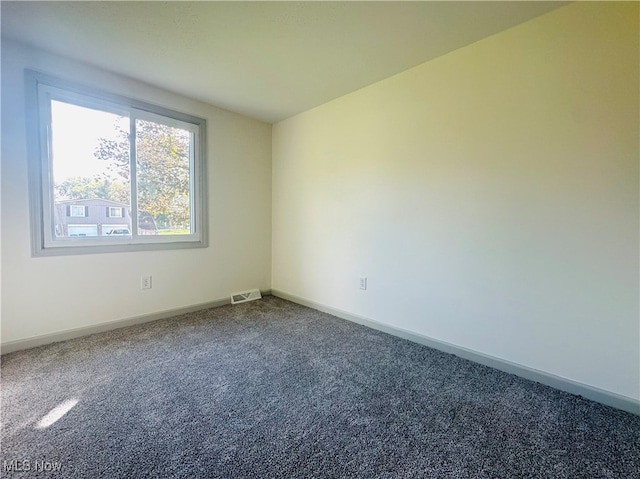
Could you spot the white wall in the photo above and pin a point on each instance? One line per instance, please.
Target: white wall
(53, 294)
(490, 196)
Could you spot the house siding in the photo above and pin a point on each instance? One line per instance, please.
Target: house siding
(96, 211)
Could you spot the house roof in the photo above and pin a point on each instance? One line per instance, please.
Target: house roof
(92, 200)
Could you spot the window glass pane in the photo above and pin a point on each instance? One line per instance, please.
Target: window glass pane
(76, 210)
(163, 179)
(90, 166)
(97, 151)
(115, 212)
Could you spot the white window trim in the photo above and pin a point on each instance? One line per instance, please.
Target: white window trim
(71, 207)
(118, 209)
(41, 89)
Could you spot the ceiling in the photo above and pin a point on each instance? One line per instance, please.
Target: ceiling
(267, 60)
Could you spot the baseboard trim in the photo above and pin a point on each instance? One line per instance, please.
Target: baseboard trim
(602, 396)
(32, 342)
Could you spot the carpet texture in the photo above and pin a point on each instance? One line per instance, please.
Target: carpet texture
(271, 389)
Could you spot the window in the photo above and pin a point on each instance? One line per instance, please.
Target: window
(76, 210)
(115, 212)
(101, 156)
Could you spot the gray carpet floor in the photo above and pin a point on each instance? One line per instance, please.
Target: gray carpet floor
(271, 389)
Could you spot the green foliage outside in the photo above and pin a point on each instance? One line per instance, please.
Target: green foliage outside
(78, 188)
(162, 154)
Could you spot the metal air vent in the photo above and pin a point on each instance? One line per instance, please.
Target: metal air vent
(245, 296)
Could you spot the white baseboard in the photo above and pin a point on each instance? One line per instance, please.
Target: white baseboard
(602, 396)
(32, 342)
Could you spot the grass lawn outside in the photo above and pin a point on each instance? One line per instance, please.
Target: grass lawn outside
(174, 232)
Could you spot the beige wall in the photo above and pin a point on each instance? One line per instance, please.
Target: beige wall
(53, 294)
(490, 196)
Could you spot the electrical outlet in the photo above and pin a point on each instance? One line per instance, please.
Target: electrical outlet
(363, 282)
(145, 282)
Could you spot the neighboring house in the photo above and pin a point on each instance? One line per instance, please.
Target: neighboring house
(98, 217)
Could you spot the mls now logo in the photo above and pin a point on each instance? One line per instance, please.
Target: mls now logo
(26, 465)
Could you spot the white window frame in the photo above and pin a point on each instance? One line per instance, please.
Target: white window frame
(71, 211)
(118, 214)
(41, 90)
